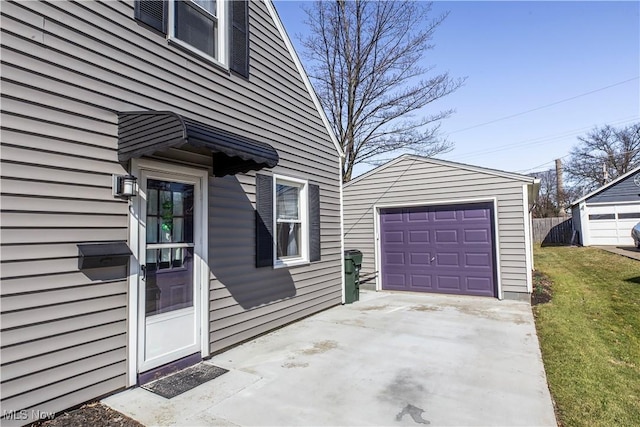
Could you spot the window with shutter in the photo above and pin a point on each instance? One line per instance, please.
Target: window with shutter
(287, 221)
(217, 30)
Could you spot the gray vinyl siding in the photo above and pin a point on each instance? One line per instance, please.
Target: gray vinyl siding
(413, 181)
(68, 69)
(622, 191)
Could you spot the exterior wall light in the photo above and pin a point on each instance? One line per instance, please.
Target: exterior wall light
(124, 186)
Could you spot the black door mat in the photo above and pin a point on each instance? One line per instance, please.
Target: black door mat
(181, 381)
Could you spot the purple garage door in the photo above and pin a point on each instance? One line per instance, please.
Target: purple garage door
(445, 249)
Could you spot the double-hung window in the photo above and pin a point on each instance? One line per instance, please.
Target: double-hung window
(287, 221)
(216, 30)
(200, 25)
(291, 221)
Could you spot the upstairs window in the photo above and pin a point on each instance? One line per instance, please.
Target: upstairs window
(217, 30)
(200, 25)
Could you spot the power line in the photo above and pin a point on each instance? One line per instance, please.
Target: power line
(540, 140)
(567, 155)
(545, 106)
(520, 144)
(545, 163)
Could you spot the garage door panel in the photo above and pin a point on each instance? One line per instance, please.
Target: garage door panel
(444, 259)
(395, 281)
(445, 249)
(419, 258)
(445, 216)
(450, 283)
(417, 216)
(394, 236)
(477, 260)
(479, 284)
(421, 282)
(625, 226)
(392, 217)
(476, 236)
(475, 214)
(396, 258)
(417, 236)
(446, 236)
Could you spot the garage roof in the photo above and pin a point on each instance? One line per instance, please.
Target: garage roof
(604, 187)
(515, 176)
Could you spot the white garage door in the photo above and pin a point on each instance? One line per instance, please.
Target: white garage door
(611, 224)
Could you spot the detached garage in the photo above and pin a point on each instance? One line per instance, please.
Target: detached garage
(605, 217)
(428, 225)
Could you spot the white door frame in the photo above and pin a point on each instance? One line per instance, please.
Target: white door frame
(200, 266)
(378, 249)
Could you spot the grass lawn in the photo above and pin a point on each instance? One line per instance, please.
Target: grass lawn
(590, 335)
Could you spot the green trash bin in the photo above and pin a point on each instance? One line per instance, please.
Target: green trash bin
(352, 264)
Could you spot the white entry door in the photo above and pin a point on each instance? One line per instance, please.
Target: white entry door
(170, 276)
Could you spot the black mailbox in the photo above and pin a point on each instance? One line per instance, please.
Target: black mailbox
(98, 255)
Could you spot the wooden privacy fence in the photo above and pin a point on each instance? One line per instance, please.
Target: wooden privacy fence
(553, 231)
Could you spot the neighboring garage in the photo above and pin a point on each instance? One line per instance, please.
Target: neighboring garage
(428, 225)
(605, 216)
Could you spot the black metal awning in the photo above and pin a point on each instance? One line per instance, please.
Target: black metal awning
(146, 132)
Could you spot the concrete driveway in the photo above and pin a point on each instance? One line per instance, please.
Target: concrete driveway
(628, 251)
(389, 359)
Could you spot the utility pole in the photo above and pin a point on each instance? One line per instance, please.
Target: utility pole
(559, 187)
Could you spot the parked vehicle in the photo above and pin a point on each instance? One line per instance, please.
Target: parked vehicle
(635, 233)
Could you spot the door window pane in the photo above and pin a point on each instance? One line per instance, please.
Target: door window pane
(178, 207)
(177, 234)
(152, 202)
(152, 229)
(169, 212)
(169, 270)
(169, 283)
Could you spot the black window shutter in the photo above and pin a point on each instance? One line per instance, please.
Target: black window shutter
(239, 34)
(264, 220)
(152, 13)
(314, 222)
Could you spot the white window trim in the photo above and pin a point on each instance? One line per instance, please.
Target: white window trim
(223, 37)
(303, 259)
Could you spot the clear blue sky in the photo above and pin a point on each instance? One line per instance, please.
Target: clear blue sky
(521, 56)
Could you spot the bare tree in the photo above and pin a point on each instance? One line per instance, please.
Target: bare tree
(551, 202)
(366, 68)
(546, 205)
(602, 155)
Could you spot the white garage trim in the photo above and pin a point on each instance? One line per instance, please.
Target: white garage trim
(496, 240)
(527, 237)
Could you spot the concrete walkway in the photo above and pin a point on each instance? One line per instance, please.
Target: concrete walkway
(628, 251)
(390, 359)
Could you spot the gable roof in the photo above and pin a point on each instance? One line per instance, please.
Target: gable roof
(305, 78)
(494, 172)
(604, 187)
